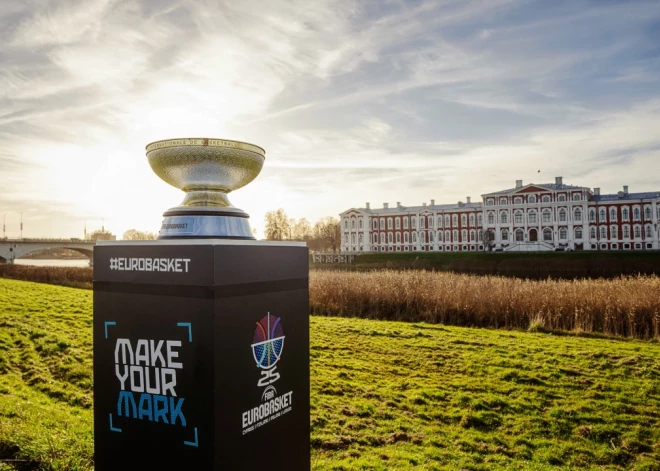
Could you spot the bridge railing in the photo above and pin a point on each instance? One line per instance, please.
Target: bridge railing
(48, 240)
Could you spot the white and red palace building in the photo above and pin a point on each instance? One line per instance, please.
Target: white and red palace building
(534, 217)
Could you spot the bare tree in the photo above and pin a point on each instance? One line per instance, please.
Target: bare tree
(134, 234)
(302, 230)
(277, 225)
(328, 234)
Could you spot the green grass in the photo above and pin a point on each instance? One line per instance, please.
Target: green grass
(385, 395)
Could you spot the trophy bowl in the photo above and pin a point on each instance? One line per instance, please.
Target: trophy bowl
(206, 169)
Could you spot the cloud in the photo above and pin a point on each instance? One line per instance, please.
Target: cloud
(353, 101)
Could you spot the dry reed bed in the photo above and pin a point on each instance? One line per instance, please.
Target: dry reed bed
(627, 306)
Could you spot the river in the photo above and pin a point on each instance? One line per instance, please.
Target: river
(52, 263)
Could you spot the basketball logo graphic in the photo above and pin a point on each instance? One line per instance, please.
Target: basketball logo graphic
(267, 347)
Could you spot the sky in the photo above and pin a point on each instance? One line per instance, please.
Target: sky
(353, 101)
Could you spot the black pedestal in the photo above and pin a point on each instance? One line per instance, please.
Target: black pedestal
(201, 356)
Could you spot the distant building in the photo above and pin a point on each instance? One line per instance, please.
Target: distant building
(534, 217)
(100, 235)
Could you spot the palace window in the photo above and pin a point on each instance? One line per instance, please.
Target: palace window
(577, 215)
(490, 202)
(603, 232)
(439, 221)
(479, 235)
(532, 217)
(405, 222)
(447, 224)
(502, 201)
(447, 236)
(375, 224)
(505, 234)
(472, 235)
(491, 218)
(547, 235)
(464, 235)
(389, 237)
(562, 215)
(430, 222)
(649, 232)
(413, 222)
(577, 197)
(578, 233)
(405, 237)
(360, 238)
(398, 237)
(360, 224)
(547, 216)
(503, 218)
(414, 236)
(592, 215)
(614, 232)
(562, 233)
(421, 222)
(626, 231)
(382, 224)
(647, 213)
(375, 238)
(455, 236)
(636, 214)
(389, 223)
(431, 237)
(518, 200)
(463, 220)
(546, 199)
(439, 236)
(612, 214)
(520, 236)
(638, 232)
(454, 220)
(353, 239)
(603, 215)
(625, 214)
(532, 198)
(561, 198)
(346, 224)
(397, 223)
(472, 219)
(518, 217)
(592, 233)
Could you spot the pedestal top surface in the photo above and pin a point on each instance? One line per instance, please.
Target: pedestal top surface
(193, 241)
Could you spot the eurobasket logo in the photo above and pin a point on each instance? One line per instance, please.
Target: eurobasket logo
(267, 346)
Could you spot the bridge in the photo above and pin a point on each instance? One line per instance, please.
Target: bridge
(11, 249)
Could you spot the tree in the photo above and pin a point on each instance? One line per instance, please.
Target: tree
(277, 225)
(302, 230)
(327, 233)
(134, 234)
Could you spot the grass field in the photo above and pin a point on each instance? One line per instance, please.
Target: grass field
(385, 395)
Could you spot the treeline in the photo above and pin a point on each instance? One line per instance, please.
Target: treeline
(323, 236)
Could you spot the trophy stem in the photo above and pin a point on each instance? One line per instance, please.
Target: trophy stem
(206, 198)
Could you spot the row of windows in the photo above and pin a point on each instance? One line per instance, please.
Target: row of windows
(625, 214)
(531, 199)
(427, 221)
(432, 237)
(519, 234)
(518, 217)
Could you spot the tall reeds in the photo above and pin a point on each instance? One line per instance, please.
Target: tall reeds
(627, 306)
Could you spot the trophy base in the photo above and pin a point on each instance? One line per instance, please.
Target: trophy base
(205, 224)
